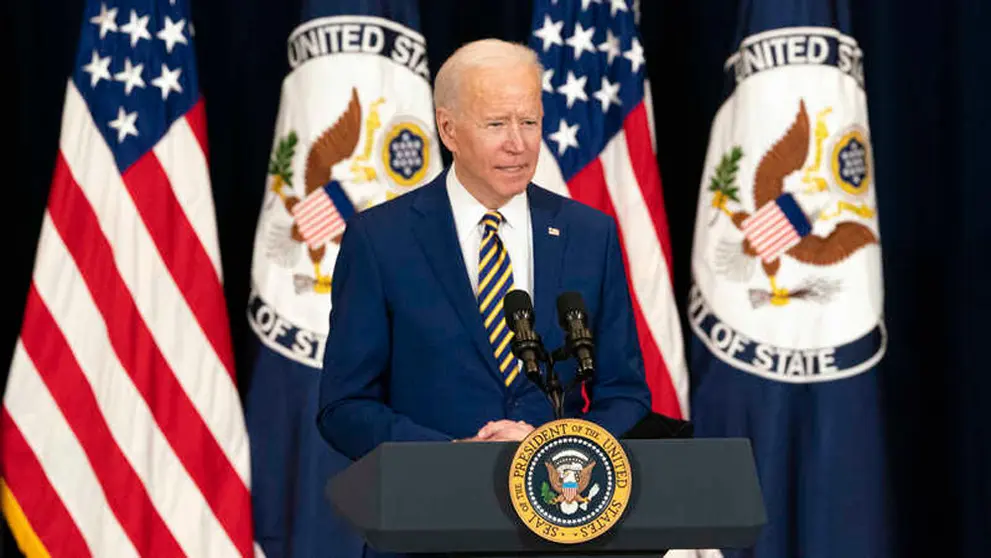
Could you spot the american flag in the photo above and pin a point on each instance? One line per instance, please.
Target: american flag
(121, 431)
(599, 149)
(776, 227)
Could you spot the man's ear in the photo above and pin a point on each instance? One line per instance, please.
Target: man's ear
(445, 128)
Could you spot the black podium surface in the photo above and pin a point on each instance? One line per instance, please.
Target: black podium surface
(441, 497)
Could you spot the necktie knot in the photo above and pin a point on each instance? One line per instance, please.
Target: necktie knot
(491, 221)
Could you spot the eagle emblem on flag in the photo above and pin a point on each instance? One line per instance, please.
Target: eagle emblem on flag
(780, 226)
(316, 218)
(789, 188)
(319, 213)
(354, 129)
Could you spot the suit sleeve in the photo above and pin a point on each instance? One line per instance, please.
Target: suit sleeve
(353, 415)
(619, 396)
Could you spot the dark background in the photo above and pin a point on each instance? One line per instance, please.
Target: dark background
(927, 75)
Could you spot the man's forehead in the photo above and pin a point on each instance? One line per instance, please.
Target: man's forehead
(484, 78)
(498, 96)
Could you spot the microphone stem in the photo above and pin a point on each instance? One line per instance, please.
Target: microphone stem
(557, 404)
(554, 391)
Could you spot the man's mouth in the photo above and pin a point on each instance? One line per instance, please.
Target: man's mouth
(511, 168)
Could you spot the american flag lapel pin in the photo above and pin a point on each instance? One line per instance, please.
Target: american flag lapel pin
(553, 231)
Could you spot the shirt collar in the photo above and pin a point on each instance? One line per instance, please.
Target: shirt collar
(468, 211)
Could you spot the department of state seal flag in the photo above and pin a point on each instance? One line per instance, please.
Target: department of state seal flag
(598, 149)
(355, 128)
(786, 305)
(121, 431)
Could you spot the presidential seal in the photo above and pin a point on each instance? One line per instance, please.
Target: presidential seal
(569, 481)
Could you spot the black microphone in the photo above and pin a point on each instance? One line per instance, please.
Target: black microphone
(526, 344)
(573, 317)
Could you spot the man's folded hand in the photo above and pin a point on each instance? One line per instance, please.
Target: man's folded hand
(504, 431)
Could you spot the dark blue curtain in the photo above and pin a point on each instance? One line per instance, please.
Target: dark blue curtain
(927, 73)
(927, 83)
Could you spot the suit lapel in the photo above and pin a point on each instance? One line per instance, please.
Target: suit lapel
(549, 240)
(438, 237)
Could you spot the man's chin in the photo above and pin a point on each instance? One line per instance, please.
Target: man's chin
(513, 189)
(512, 184)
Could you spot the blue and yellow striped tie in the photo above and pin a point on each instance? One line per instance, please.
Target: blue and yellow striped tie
(495, 279)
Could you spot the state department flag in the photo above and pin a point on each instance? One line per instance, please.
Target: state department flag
(355, 128)
(122, 432)
(787, 296)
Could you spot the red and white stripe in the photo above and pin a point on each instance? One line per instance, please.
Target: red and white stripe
(770, 232)
(122, 429)
(570, 493)
(625, 183)
(317, 218)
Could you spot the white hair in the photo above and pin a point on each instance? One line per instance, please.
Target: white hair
(484, 53)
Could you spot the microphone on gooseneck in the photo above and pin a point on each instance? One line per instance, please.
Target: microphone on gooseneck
(573, 319)
(526, 344)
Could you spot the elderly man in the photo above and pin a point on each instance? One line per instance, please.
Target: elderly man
(418, 347)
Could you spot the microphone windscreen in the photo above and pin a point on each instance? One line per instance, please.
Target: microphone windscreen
(567, 302)
(515, 301)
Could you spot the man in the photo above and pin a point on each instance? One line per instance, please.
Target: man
(418, 347)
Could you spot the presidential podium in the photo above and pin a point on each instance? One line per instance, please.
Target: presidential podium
(453, 498)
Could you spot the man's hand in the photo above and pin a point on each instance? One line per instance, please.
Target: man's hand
(503, 431)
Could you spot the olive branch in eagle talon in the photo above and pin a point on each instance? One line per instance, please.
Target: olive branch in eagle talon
(280, 167)
(723, 182)
(784, 158)
(546, 494)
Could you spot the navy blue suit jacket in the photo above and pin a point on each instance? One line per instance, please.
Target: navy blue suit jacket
(407, 358)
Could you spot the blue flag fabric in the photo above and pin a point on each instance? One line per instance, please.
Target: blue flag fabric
(355, 128)
(787, 321)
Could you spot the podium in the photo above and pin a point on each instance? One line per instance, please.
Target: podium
(453, 498)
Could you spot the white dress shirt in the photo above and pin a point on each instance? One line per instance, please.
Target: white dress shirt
(515, 232)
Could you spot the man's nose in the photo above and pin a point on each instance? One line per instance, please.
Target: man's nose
(514, 139)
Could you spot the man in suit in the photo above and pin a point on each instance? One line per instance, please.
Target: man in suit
(418, 346)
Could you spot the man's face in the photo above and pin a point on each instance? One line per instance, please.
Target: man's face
(494, 132)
